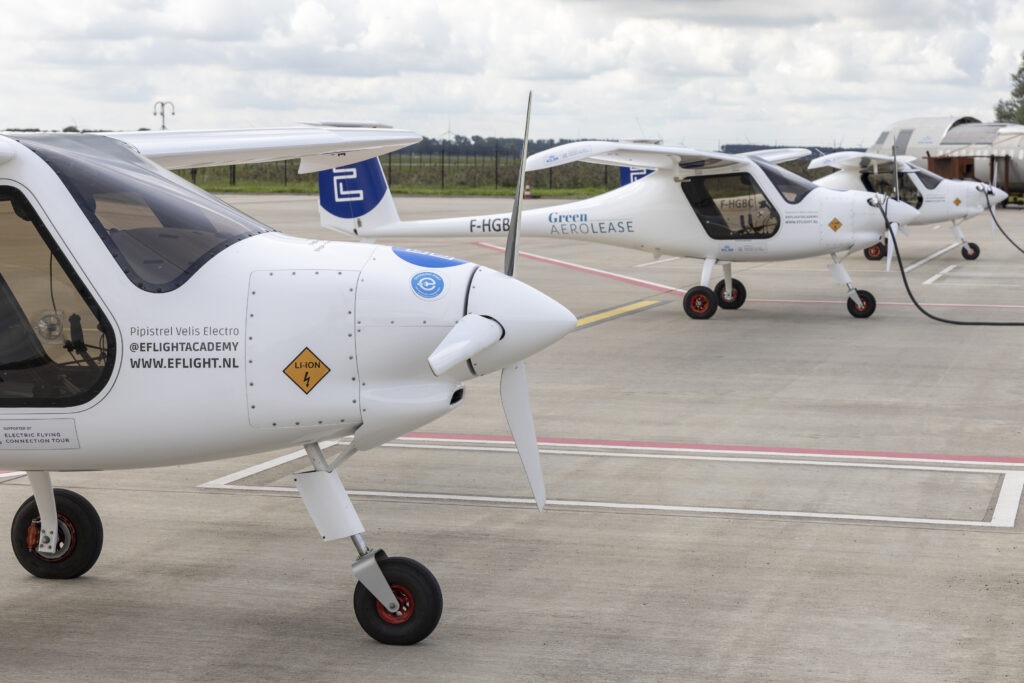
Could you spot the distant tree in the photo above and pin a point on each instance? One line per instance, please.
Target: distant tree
(1012, 110)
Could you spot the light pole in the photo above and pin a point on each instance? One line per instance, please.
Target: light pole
(158, 108)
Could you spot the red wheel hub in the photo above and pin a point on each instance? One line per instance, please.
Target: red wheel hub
(406, 606)
(67, 539)
(699, 303)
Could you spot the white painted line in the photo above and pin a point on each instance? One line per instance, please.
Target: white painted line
(10, 475)
(1004, 515)
(651, 450)
(256, 469)
(1005, 512)
(1002, 522)
(925, 260)
(655, 262)
(796, 458)
(934, 278)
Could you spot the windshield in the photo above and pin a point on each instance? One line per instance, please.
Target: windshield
(928, 179)
(159, 228)
(792, 187)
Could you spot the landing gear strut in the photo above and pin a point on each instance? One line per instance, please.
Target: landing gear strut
(397, 600)
(969, 250)
(860, 302)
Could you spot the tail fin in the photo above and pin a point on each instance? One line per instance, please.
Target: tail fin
(356, 197)
(629, 174)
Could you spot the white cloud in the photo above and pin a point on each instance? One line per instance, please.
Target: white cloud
(701, 72)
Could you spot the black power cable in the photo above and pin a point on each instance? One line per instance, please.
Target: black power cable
(995, 221)
(896, 247)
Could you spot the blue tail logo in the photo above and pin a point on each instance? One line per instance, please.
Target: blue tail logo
(628, 174)
(353, 191)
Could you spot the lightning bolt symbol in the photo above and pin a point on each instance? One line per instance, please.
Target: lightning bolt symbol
(305, 378)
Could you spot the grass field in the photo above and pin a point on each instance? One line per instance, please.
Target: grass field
(420, 175)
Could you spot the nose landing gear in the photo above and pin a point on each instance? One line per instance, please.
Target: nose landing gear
(397, 600)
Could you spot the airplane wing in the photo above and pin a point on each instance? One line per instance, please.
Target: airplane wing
(319, 147)
(634, 154)
(778, 155)
(855, 161)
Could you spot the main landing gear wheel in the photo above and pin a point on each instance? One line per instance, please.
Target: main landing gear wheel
(970, 251)
(700, 302)
(739, 294)
(875, 252)
(79, 537)
(865, 309)
(419, 601)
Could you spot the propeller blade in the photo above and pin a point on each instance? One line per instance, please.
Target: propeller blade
(888, 246)
(512, 244)
(515, 399)
(468, 337)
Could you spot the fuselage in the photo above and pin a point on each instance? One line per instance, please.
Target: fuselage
(146, 323)
(936, 199)
(730, 216)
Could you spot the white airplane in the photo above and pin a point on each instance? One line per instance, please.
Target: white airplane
(145, 323)
(937, 199)
(719, 208)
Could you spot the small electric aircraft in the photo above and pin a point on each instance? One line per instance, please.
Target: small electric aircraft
(936, 199)
(145, 323)
(720, 208)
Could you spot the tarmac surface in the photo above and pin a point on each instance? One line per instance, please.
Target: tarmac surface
(780, 493)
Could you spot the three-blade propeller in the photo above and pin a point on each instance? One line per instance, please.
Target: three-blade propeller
(515, 397)
(474, 333)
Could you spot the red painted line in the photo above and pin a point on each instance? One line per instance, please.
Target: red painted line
(713, 448)
(665, 289)
(593, 271)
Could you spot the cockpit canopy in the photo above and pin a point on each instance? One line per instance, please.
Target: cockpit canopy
(159, 228)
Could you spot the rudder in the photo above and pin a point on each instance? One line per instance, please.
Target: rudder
(356, 197)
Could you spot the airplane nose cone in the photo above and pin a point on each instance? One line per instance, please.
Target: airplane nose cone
(530, 319)
(901, 212)
(998, 196)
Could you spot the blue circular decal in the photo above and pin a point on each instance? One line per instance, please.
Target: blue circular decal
(427, 285)
(426, 259)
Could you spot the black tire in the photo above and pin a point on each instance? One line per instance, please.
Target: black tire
(866, 309)
(876, 252)
(739, 294)
(700, 303)
(971, 251)
(419, 597)
(79, 537)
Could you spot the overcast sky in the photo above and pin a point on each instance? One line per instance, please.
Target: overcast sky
(694, 72)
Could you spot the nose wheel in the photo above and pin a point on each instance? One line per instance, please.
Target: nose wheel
(419, 603)
(970, 251)
(865, 308)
